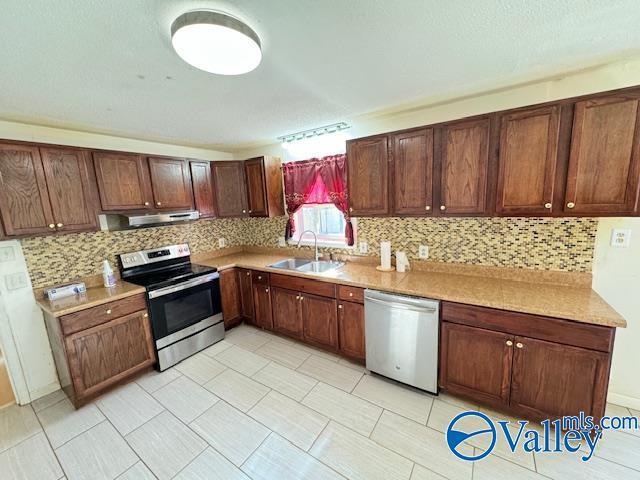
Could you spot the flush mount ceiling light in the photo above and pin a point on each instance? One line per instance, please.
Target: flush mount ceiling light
(216, 42)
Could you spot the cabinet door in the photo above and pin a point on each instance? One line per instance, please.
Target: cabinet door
(465, 160)
(171, 182)
(230, 293)
(230, 189)
(476, 363)
(551, 380)
(527, 163)
(71, 187)
(103, 355)
(287, 315)
(262, 306)
(368, 176)
(413, 172)
(351, 329)
(246, 294)
(123, 181)
(24, 199)
(320, 320)
(202, 183)
(604, 164)
(256, 187)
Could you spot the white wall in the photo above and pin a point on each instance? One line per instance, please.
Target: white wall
(616, 277)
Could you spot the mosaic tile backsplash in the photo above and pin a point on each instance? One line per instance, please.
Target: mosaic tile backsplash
(564, 244)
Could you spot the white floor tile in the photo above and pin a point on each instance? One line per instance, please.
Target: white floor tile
(138, 472)
(330, 372)
(457, 401)
(421, 473)
(283, 353)
(296, 423)
(619, 447)
(421, 444)
(166, 445)
(495, 468)
(618, 411)
(352, 364)
(277, 459)
(128, 407)
(154, 380)
(353, 412)
(390, 395)
(200, 368)
(236, 389)
(286, 381)
(17, 424)
(246, 338)
(48, 400)
(98, 454)
(230, 432)
(62, 421)
(31, 459)
(216, 348)
(210, 465)
(561, 466)
(358, 458)
(241, 360)
(185, 398)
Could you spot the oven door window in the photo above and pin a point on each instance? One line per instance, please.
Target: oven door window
(175, 311)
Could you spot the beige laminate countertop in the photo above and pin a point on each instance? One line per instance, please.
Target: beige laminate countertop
(578, 303)
(94, 296)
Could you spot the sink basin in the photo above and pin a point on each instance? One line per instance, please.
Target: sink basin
(321, 266)
(307, 266)
(291, 263)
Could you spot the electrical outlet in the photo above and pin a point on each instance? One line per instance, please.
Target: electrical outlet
(7, 254)
(282, 242)
(16, 281)
(620, 237)
(222, 242)
(423, 252)
(363, 247)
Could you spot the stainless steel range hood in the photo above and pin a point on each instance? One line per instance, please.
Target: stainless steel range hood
(123, 221)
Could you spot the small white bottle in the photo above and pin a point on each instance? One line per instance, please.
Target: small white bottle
(108, 276)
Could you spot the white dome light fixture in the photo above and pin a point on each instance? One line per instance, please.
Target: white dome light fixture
(216, 42)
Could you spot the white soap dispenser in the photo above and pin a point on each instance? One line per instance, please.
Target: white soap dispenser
(108, 276)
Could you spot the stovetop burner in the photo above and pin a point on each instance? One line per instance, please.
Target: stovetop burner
(159, 279)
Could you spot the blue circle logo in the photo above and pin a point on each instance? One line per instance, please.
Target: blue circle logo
(456, 437)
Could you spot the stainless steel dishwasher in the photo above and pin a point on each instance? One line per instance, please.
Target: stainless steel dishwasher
(401, 335)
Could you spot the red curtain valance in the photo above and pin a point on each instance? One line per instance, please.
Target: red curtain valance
(317, 180)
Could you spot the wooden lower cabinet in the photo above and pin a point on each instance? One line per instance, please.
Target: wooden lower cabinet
(246, 294)
(287, 317)
(262, 316)
(320, 320)
(351, 329)
(230, 293)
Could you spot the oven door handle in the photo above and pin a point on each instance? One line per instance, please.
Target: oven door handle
(183, 286)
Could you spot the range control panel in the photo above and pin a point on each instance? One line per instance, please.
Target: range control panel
(144, 257)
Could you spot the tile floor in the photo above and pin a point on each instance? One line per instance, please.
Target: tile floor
(256, 406)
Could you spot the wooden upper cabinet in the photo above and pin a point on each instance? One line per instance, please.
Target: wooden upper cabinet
(230, 189)
(551, 380)
(123, 181)
(171, 183)
(413, 172)
(527, 161)
(71, 186)
(368, 176)
(264, 186)
(203, 195)
(24, 199)
(464, 167)
(604, 163)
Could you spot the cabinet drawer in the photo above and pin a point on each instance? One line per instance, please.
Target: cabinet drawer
(351, 294)
(261, 277)
(91, 317)
(303, 285)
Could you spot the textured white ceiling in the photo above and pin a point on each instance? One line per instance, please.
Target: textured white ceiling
(108, 65)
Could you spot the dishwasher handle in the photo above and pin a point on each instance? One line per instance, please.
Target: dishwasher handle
(403, 306)
(423, 305)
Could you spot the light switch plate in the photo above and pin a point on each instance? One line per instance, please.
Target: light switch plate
(222, 242)
(16, 281)
(363, 247)
(620, 237)
(282, 242)
(423, 252)
(7, 254)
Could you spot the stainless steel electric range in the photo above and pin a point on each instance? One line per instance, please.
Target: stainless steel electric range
(183, 298)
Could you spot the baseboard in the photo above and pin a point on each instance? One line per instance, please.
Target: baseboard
(624, 401)
(42, 391)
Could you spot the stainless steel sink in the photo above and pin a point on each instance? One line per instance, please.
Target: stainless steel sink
(307, 266)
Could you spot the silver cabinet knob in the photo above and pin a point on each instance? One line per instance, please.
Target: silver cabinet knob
(146, 204)
(443, 208)
(519, 345)
(547, 205)
(509, 343)
(52, 225)
(571, 205)
(59, 225)
(427, 208)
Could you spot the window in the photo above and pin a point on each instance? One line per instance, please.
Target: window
(326, 221)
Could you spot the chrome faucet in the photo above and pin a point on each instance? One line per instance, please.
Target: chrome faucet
(317, 257)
